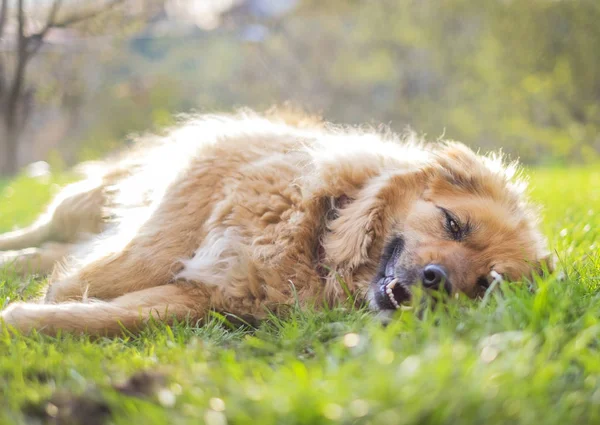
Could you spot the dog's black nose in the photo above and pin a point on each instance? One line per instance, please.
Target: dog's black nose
(434, 276)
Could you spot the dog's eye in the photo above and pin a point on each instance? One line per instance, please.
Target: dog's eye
(455, 229)
(452, 226)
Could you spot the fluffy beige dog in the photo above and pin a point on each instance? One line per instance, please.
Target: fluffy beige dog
(245, 213)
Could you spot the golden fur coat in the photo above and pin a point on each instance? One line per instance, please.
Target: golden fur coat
(244, 213)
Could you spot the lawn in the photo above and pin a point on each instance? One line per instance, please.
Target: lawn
(516, 358)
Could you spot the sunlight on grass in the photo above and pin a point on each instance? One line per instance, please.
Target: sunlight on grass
(520, 357)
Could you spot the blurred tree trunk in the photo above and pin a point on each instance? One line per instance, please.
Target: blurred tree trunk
(11, 100)
(15, 101)
(6, 142)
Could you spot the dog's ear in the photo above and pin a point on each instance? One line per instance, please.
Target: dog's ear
(459, 169)
(362, 225)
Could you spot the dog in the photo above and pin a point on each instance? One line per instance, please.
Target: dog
(247, 213)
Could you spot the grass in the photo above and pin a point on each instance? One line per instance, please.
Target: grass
(515, 358)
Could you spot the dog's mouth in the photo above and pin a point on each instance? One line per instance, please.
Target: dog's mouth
(390, 288)
(395, 294)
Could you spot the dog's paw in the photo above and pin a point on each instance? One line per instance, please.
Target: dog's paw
(15, 317)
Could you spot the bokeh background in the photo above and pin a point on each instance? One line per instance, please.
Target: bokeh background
(79, 78)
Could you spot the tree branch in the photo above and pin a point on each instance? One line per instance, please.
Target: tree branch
(51, 17)
(77, 18)
(38, 37)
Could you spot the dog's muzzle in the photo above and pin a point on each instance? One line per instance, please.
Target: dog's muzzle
(391, 287)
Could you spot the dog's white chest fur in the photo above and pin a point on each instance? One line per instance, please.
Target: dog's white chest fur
(214, 259)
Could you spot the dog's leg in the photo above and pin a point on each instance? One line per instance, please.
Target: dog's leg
(39, 261)
(130, 312)
(139, 266)
(77, 210)
(153, 256)
(31, 236)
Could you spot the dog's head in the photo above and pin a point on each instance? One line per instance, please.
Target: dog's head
(455, 224)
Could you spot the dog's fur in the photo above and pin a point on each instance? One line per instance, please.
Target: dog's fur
(246, 213)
